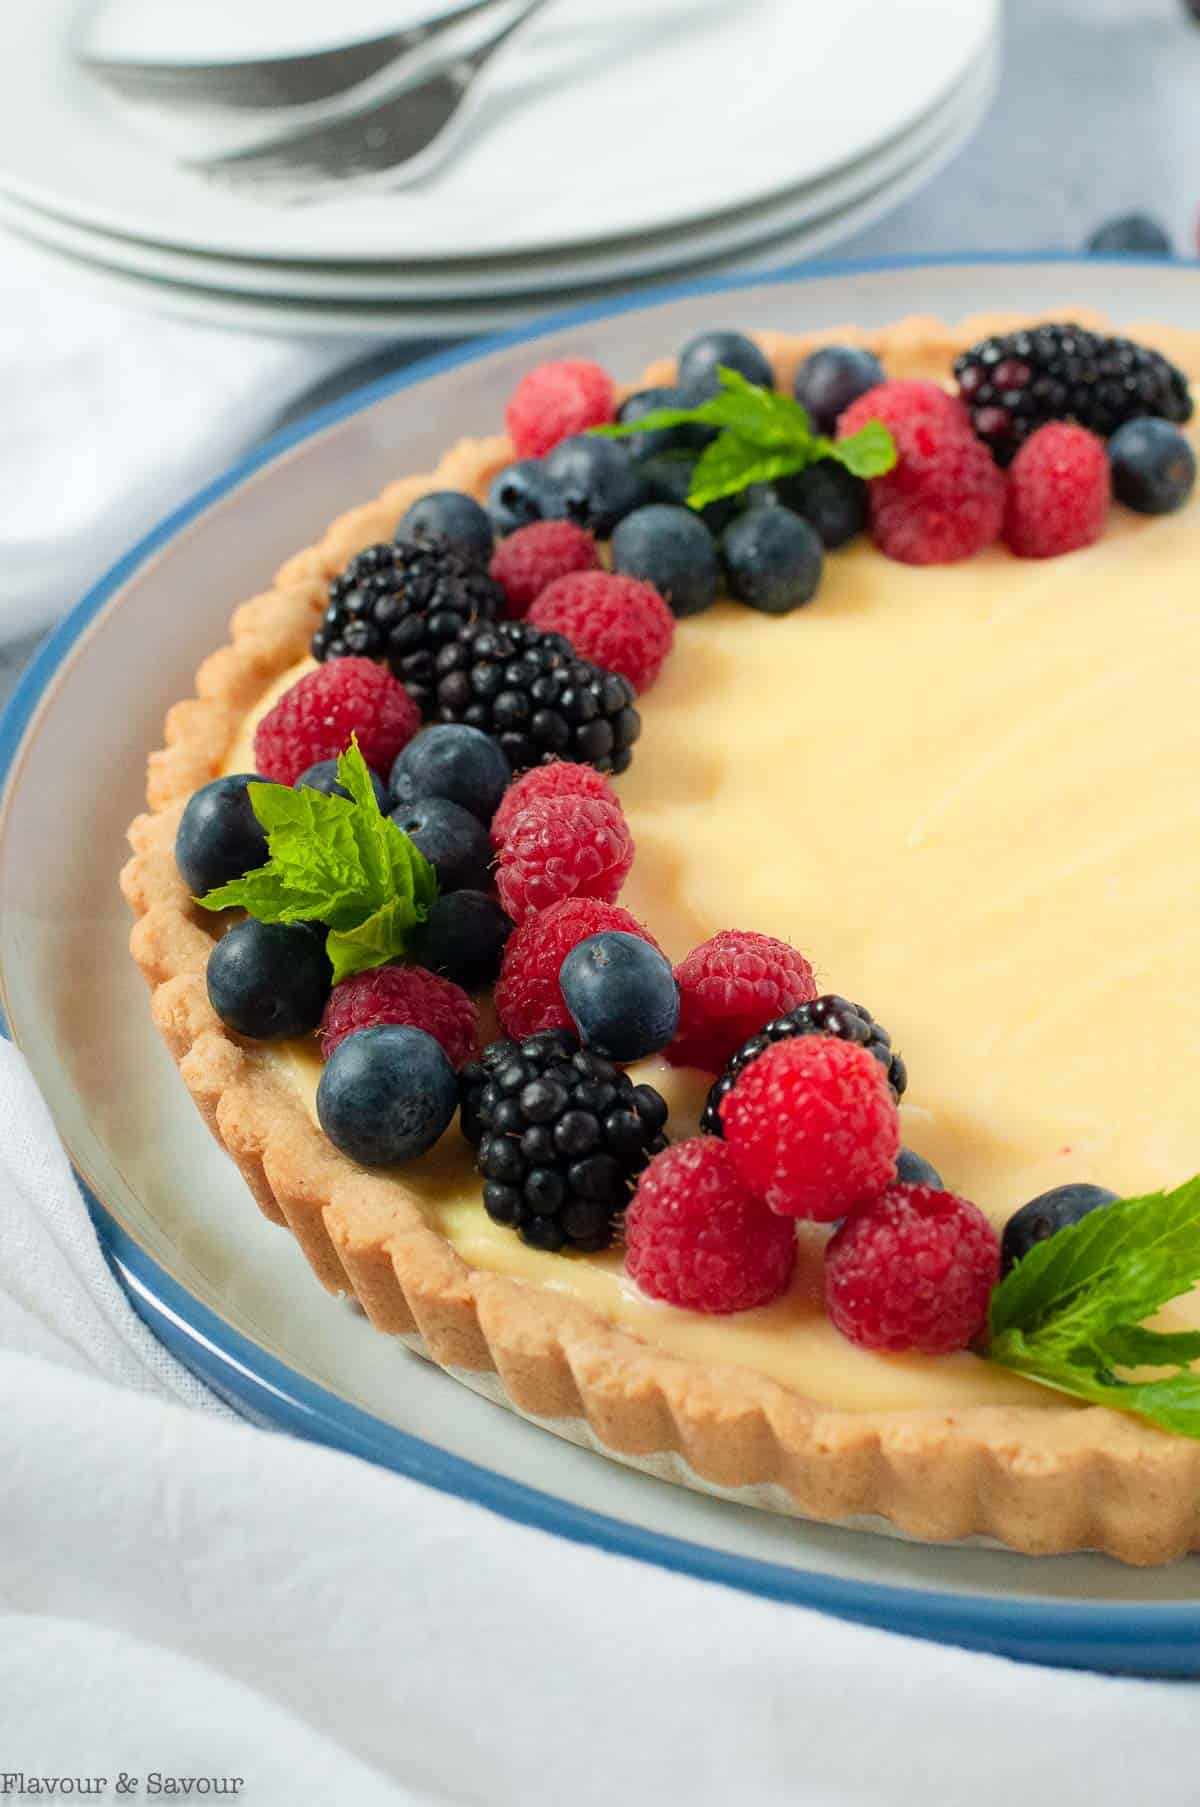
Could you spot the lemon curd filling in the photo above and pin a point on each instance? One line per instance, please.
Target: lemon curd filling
(969, 794)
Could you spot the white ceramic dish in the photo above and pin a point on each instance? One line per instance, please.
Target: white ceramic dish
(727, 102)
(272, 314)
(230, 1292)
(481, 284)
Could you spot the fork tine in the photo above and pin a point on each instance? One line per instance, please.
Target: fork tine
(399, 129)
(267, 83)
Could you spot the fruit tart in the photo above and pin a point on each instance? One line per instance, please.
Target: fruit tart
(686, 912)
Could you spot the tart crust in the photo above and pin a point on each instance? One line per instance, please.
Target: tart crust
(1040, 1480)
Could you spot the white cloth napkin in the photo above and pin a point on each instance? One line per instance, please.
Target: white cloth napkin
(110, 417)
(182, 1595)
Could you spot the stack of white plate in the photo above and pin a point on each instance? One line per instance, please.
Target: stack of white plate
(607, 144)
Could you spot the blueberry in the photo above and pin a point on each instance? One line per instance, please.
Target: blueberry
(672, 549)
(323, 777)
(773, 559)
(269, 979)
(702, 356)
(455, 517)
(914, 1170)
(621, 994)
(833, 377)
(464, 765)
(1046, 1214)
(668, 478)
(386, 1094)
(219, 836)
(464, 939)
(593, 482)
(1153, 466)
(829, 497)
(691, 436)
(518, 496)
(454, 841)
(1132, 233)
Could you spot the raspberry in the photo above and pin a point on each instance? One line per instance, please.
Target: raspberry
(617, 622)
(698, 1238)
(533, 557)
(563, 778)
(408, 995)
(729, 989)
(555, 401)
(912, 1270)
(813, 1127)
(944, 498)
(315, 719)
(562, 847)
(1058, 492)
(528, 997)
(906, 399)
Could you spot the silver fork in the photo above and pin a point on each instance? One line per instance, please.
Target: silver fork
(264, 83)
(402, 132)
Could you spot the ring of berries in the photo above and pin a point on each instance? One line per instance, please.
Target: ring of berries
(807, 1102)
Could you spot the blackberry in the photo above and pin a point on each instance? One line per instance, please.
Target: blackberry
(560, 1137)
(530, 691)
(829, 1015)
(1016, 382)
(404, 602)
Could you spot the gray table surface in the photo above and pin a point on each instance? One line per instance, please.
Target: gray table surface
(1096, 115)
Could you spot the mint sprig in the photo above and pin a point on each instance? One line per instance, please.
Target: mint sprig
(336, 860)
(1071, 1313)
(761, 436)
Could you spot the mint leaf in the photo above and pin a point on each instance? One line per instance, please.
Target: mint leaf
(1093, 1258)
(731, 463)
(382, 936)
(1172, 1403)
(871, 452)
(1131, 1346)
(336, 860)
(762, 436)
(1070, 1314)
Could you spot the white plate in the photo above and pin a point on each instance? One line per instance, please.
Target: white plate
(602, 121)
(232, 1291)
(401, 321)
(946, 126)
